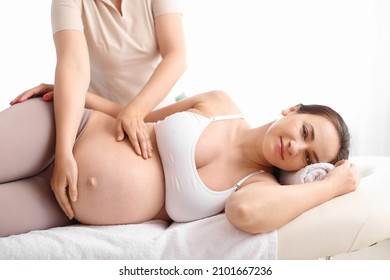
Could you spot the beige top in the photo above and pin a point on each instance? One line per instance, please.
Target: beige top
(122, 48)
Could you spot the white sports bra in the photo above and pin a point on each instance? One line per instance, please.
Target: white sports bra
(187, 198)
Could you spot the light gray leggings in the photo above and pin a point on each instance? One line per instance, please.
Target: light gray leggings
(27, 138)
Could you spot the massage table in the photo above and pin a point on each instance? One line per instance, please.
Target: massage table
(352, 226)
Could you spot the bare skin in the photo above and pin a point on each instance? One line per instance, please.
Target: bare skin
(116, 186)
(72, 80)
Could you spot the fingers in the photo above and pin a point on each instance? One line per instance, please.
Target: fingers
(138, 136)
(33, 92)
(119, 133)
(340, 162)
(347, 163)
(132, 134)
(48, 96)
(64, 184)
(17, 99)
(72, 189)
(346, 177)
(355, 173)
(140, 140)
(61, 194)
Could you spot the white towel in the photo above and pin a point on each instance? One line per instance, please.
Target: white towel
(215, 238)
(310, 173)
(209, 238)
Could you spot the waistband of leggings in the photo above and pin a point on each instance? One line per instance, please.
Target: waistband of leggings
(83, 123)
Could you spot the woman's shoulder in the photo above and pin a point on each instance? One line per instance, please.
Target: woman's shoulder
(217, 103)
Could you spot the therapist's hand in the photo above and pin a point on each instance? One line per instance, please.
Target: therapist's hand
(43, 90)
(64, 183)
(130, 123)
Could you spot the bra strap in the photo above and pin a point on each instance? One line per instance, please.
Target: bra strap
(227, 117)
(238, 185)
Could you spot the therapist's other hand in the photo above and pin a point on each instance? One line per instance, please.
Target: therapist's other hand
(131, 124)
(43, 90)
(64, 183)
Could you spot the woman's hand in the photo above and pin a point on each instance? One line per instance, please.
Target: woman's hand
(130, 123)
(44, 90)
(64, 183)
(344, 176)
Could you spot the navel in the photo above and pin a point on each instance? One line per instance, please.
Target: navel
(92, 182)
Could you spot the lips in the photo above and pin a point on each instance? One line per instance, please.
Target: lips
(281, 149)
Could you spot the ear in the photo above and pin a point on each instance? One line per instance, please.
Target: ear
(287, 111)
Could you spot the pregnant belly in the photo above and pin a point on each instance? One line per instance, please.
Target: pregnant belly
(115, 185)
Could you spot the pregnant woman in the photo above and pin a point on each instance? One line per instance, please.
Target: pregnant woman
(207, 159)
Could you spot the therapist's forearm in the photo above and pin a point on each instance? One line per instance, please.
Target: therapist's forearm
(163, 79)
(70, 88)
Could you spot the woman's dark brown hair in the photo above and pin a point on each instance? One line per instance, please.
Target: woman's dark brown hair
(337, 121)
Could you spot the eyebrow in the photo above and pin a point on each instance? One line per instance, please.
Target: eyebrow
(312, 137)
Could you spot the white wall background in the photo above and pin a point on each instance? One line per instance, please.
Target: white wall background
(267, 54)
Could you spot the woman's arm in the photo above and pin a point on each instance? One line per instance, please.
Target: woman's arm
(72, 78)
(130, 122)
(208, 104)
(265, 206)
(98, 103)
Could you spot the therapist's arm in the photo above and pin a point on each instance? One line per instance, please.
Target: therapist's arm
(130, 121)
(72, 77)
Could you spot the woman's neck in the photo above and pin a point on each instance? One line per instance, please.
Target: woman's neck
(250, 145)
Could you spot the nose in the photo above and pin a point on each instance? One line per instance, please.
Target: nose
(295, 147)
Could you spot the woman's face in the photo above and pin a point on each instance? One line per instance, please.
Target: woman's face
(297, 140)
